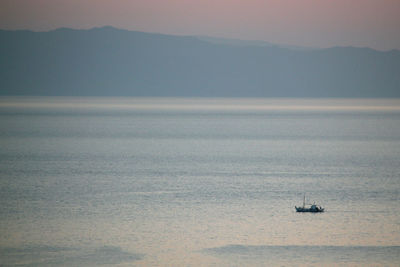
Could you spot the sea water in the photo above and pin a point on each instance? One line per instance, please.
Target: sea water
(198, 182)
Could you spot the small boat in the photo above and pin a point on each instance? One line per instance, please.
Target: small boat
(309, 207)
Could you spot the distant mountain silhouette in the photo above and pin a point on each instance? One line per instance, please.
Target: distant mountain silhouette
(112, 62)
(238, 42)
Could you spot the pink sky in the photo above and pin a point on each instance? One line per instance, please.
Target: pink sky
(317, 23)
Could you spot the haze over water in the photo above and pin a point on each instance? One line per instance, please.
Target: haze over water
(198, 182)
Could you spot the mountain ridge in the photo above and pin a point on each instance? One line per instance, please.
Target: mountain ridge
(115, 62)
(206, 38)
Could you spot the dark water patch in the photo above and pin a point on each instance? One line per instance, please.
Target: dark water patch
(65, 256)
(310, 254)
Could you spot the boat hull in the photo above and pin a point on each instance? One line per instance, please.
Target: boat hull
(315, 210)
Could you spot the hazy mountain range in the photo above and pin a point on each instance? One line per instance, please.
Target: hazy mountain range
(112, 62)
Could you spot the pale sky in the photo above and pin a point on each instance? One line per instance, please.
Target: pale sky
(316, 23)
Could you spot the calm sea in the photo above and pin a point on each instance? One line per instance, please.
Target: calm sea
(198, 182)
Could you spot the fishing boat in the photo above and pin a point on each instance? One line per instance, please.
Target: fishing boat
(309, 207)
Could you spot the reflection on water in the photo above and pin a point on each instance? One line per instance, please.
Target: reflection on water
(176, 182)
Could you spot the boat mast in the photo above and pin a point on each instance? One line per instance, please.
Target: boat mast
(304, 200)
